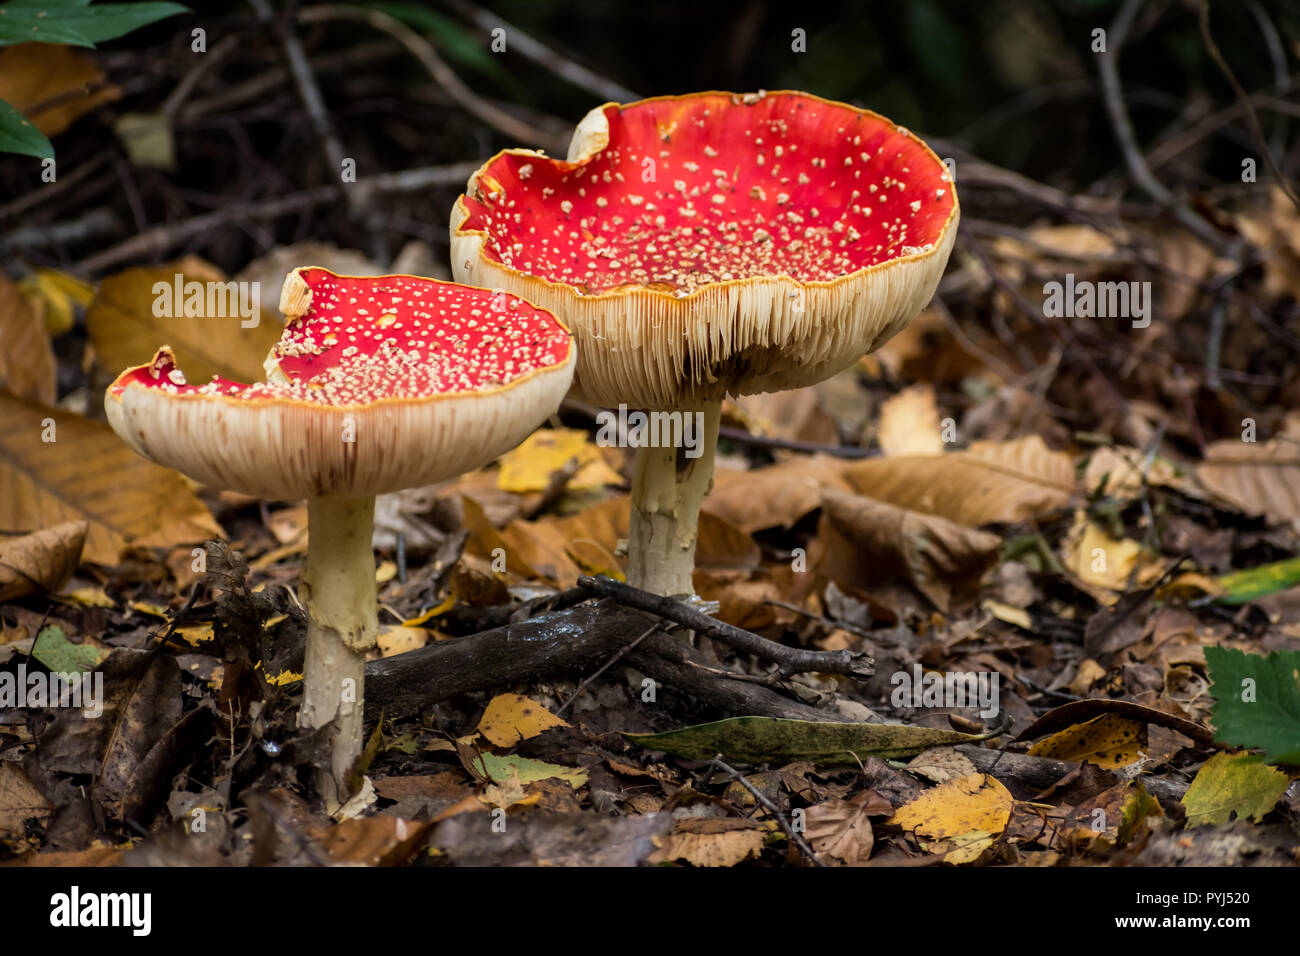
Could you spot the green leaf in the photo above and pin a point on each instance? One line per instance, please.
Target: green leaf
(77, 23)
(19, 135)
(1233, 786)
(1242, 587)
(459, 44)
(770, 740)
(53, 649)
(500, 768)
(1257, 701)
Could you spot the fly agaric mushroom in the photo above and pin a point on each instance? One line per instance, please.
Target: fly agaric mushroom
(377, 384)
(705, 245)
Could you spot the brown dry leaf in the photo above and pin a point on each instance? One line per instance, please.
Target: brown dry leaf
(40, 561)
(909, 424)
(88, 473)
(510, 718)
(941, 764)
(20, 801)
(705, 842)
(125, 331)
(870, 542)
(839, 829)
(795, 414)
(35, 74)
(381, 840)
(776, 496)
(976, 802)
(1258, 478)
(26, 357)
(1122, 467)
(989, 482)
(1108, 741)
(1276, 229)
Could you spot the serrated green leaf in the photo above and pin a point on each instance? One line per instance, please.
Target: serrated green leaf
(20, 135)
(770, 740)
(53, 649)
(1233, 786)
(1257, 701)
(1242, 587)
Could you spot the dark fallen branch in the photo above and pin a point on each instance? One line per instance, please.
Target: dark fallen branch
(579, 640)
(789, 660)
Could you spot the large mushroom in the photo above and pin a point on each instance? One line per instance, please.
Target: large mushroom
(377, 384)
(705, 245)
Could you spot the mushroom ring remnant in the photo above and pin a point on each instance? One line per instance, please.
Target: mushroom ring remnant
(377, 384)
(712, 244)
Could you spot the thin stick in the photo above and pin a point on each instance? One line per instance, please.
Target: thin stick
(604, 667)
(769, 806)
(789, 660)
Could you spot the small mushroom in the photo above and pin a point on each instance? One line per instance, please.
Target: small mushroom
(377, 384)
(706, 245)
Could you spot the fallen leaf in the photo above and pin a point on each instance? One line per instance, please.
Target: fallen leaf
(1077, 711)
(529, 466)
(1107, 741)
(56, 466)
(909, 424)
(27, 358)
(510, 718)
(56, 294)
(126, 330)
(53, 649)
(841, 830)
(977, 802)
(1233, 787)
(756, 740)
(710, 842)
(41, 561)
(988, 482)
(941, 764)
(52, 84)
(1256, 478)
(500, 768)
(775, 496)
(870, 542)
(20, 801)
(1100, 561)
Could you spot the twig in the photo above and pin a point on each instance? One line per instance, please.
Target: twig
(789, 660)
(586, 682)
(533, 49)
(157, 240)
(769, 806)
(442, 74)
(1113, 95)
(1244, 99)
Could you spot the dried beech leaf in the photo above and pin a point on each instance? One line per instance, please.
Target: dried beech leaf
(1260, 479)
(88, 473)
(909, 424)
(989, 482)
(40, 561)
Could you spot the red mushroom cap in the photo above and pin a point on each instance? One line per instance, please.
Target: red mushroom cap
(377, 383)
(715, 242)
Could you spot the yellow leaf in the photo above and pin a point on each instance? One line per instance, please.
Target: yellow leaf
(85, 472)
(976, 802)
(52, 84)
(399, 640)
(437, 610)
(88, 597)
(56, 293)
(1233, 787)
(126, 332)
(1100, 561)
(530, 466)
(26, 356)
(510, 718)
(1107, 741)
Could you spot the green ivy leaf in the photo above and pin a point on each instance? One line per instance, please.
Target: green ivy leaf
(1257, 701)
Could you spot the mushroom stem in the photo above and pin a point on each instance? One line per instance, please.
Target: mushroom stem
(338, 591)
(667, 489)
